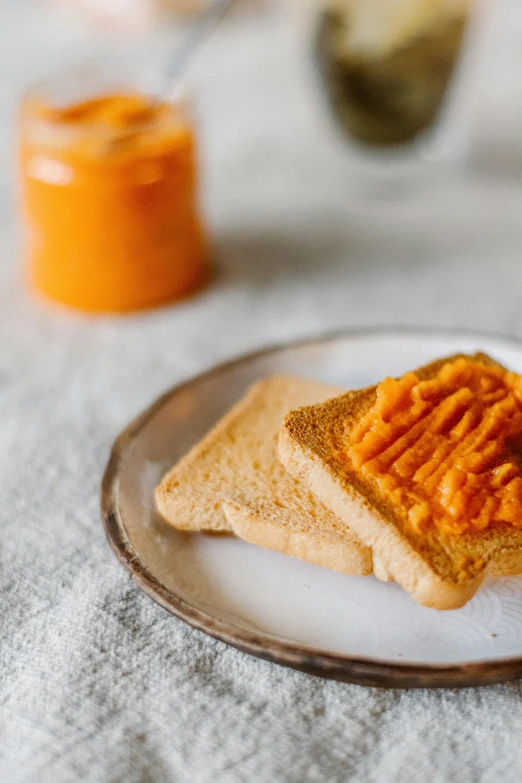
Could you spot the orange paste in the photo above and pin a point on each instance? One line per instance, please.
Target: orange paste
(109, 190)
(449, 449)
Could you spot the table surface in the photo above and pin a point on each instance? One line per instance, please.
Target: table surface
(97, 683)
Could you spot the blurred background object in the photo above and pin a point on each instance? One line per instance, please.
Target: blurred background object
(137, 15)
(387, 65)
(109, 185)
(129, 14)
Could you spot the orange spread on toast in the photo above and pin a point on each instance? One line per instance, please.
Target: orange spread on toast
(449, 449)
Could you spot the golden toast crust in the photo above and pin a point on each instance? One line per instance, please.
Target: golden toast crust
(449, 568)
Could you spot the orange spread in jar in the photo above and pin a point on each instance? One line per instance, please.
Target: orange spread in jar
(109, 192)
(449, 449)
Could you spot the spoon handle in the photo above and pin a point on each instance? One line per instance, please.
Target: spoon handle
(200, 28)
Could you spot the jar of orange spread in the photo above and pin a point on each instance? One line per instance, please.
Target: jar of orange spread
(447, 450)
(109, 189)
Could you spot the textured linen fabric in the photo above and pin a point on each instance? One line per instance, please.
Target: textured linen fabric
(98, 683)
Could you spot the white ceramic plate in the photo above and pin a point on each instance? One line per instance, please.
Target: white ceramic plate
(351, 628)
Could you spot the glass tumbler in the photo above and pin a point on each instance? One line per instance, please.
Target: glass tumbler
(399, 78)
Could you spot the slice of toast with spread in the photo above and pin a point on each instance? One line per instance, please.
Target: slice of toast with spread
(426, 469)
(233, 481)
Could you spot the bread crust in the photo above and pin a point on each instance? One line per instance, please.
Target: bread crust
(438, 570)
(232, 481)
(308, 545)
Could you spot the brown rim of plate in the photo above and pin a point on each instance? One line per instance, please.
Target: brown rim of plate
(362, 671)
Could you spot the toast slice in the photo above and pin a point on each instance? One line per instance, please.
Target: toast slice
(438, 570)
(233, 481)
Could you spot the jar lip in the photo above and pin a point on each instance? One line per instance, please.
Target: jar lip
(108, 70)
(91, 78)
(55, 131)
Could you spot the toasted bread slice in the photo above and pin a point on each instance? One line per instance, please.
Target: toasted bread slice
(233, 481)
(438, 571)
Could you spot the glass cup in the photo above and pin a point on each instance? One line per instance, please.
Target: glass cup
(400, 79)
(387, 68)
(109, 191)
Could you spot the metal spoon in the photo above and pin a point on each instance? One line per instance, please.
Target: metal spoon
(199, 30)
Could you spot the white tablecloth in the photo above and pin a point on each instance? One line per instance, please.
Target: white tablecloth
(98, 683)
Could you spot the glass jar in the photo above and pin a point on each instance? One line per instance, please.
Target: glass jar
(109, 190)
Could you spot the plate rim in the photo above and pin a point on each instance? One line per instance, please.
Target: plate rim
(353, 669)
